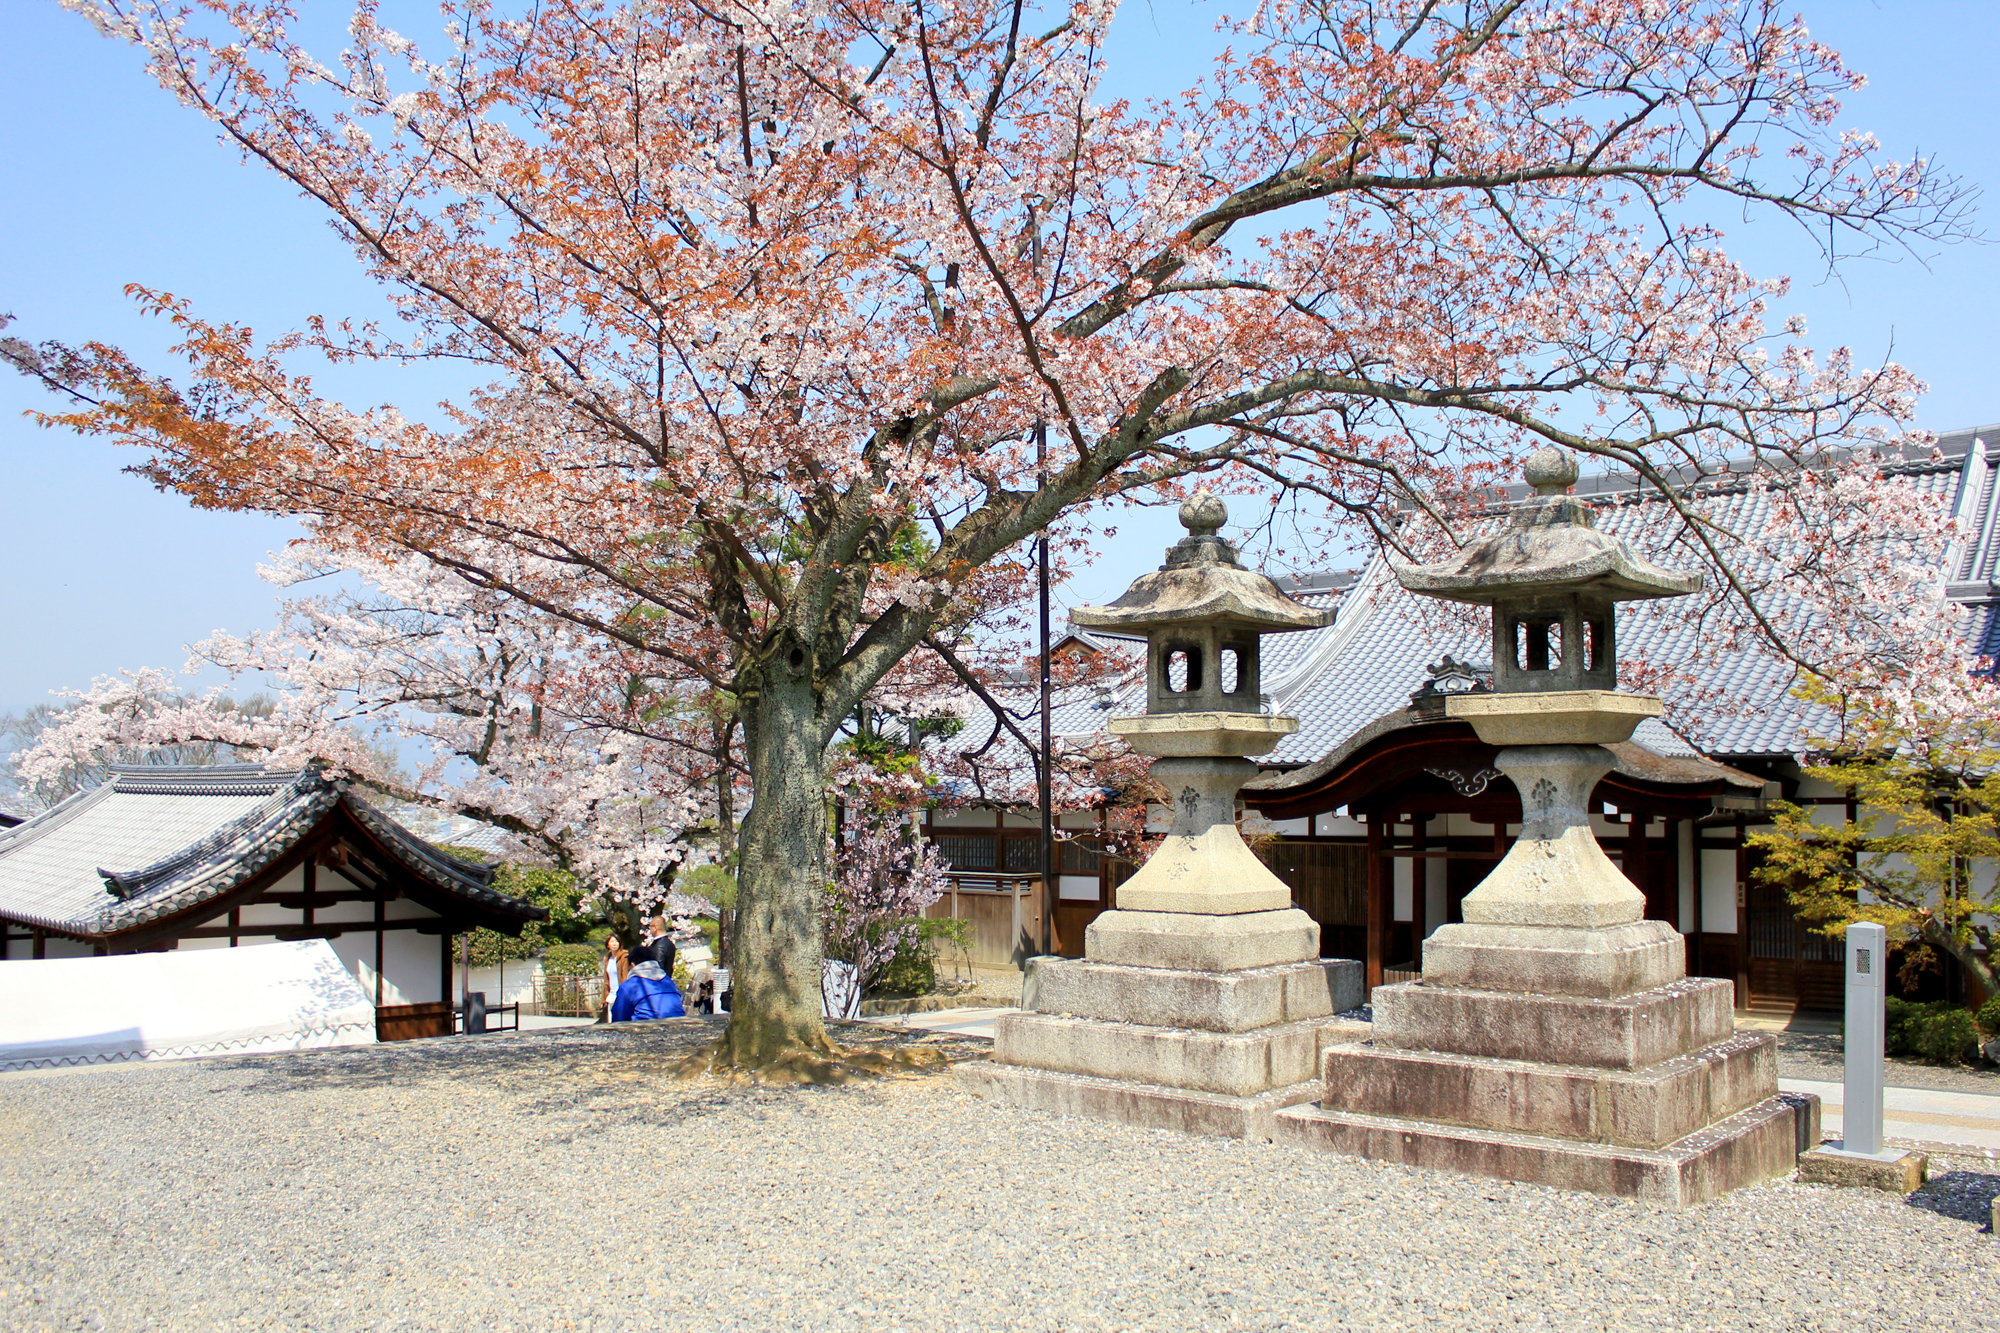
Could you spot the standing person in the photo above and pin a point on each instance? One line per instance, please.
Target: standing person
(617, 966)
(649, 990)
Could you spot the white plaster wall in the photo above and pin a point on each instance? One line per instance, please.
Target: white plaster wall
(1339, 826)
(1464, 826)
(348, 913)
(409, 966)
(519, 976)
(962, 818)
(1284, 828)
(1074, 887)
(267, 914)
(188, 945)
(1405, 895)
(1718, 892)
(1013, 820)
(405, 909)
(57, 947)
(1435, 898)
(1076, 819)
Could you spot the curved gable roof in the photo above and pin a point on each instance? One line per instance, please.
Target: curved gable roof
(153, 842)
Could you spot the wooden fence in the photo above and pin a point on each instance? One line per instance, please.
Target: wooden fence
(1005, 911)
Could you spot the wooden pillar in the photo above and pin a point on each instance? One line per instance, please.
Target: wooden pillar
(1694, 875)
(311, 883)
(444, 965)
(235, 924)
(41, 944)
(1636, 867)
(1743, 996)
(1378, 925)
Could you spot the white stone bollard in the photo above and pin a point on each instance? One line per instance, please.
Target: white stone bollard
(1861, 1100)
(1860, 1159)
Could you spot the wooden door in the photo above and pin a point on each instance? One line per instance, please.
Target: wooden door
(1329, 883)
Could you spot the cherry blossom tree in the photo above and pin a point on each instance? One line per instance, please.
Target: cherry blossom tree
(761, 287)
(884, 878)
(507, 719)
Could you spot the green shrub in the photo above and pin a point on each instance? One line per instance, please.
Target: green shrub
(910, 972)
(1939, 1030)
(1988, 1017)
(711, 882)
(572, 960)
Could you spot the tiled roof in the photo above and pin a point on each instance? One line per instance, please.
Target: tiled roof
(151, 842)
(1338, 679)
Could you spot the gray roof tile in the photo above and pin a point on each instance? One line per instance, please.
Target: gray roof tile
(153, 841)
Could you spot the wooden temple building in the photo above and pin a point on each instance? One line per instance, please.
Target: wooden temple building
(160, 858)
(1382, 814)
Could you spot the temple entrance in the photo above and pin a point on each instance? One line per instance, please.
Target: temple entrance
(1792, 969)
(1329, 883)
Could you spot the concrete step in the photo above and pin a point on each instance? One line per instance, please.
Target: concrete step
(1233, 1064)
(1232, 1001)
(1126, 1102)
(1644, 1108)
(1757, 1144)
(1633, 1031)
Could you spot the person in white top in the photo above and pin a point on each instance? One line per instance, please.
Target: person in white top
(616, 967)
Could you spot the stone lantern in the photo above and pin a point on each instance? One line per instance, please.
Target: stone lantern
(1201, 1001)
(1555, 1035)
(1202, 614)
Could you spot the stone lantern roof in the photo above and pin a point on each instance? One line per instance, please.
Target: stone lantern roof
(1552, 547)
(1203, 581)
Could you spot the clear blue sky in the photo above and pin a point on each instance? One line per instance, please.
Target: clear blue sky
(108, 181)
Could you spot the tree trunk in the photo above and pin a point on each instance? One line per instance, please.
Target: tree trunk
(774, 974)
(1976, 970)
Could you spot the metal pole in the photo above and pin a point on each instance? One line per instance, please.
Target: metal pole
(1861, 1099)
(1045, 769)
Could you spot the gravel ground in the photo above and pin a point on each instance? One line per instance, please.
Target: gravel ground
(1818, 1056)
(555, 1180)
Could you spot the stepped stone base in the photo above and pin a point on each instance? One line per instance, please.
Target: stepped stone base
(1753, 1145)
(1233, 1064)
(1647, 1108)
(1554, 960)
(1198, 943)
(1634, 1031)
(1125, 1102)
(1217, 1001)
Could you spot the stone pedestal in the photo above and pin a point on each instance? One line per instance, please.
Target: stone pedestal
(1205, 1022)
(1892, 1170)
(1202, 1004)
(1555, 1037)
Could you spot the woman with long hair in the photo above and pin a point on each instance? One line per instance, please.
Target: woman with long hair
(617, 966)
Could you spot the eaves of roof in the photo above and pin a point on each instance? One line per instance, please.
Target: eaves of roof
(222, 857)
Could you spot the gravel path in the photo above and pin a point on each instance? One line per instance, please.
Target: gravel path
(1818, 1055)
(553, 1180)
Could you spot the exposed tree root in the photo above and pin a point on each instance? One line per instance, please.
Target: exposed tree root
(829, 1063)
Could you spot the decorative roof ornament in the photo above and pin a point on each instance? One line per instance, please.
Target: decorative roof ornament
(1552, 580)
(1203, 579)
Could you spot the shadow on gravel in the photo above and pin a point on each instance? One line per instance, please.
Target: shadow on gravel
(1965, 1196)
(555, 1070)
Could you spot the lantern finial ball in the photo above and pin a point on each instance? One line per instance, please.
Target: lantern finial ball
(1203, 514)
(1550, 470)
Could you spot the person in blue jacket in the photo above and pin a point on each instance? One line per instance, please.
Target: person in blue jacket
(648, 991)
